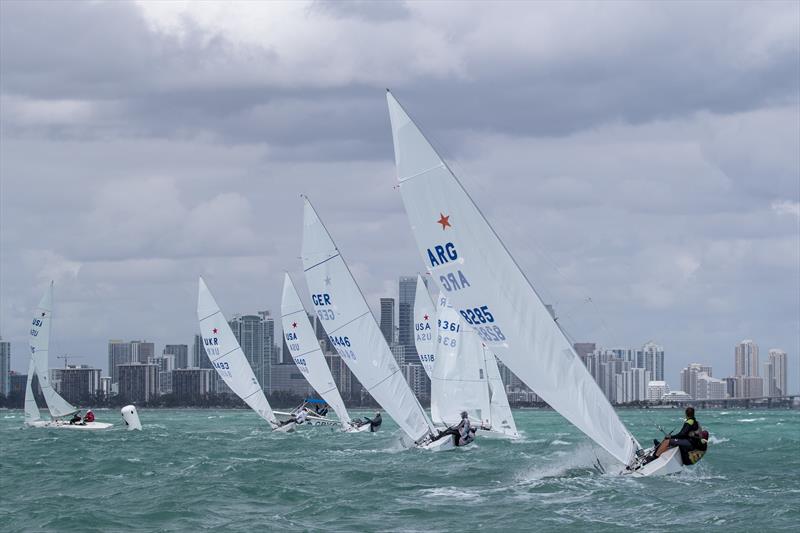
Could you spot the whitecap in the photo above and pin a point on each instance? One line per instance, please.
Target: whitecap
(751, 419)
(717, 440)
(559, 443)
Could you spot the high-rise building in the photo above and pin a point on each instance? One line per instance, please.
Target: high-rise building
(708, 388)
(165, 362)
(76, 384)
(750, 386)
(342, 376)
(5, 367)
(651, 357)
(191, 384)
(119, 352)
(199, 357)
(138, 382)
(417, 379)
(181, 353)
(732, 387)
(142, 351)
(387, 319)
(584, 349)
(105, 387)
(768, 374)
(689, 377)
(746, 354)
(781, 372)
(405, 316)
(634, 385)
(288, 378)
(256, 336)
(656, 390)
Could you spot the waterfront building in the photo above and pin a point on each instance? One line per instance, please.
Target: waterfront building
(199, 357)
(119, 352)
(417, 379)
(780, 371)
(709, 388)
(689, 377)
(387, 319)
(656, 390)
(181, 353)
(191, 384)
(746, 358)
(5, 367)
(651, 358)
(676, 396)
(138, 382)
(142, 351)
(76, 384)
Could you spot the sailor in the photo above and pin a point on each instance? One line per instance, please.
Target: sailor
(89, 416)
(76, 418)
(462, 432)
(321, 411)
(685, 439)
(301, 416)
(374, 423)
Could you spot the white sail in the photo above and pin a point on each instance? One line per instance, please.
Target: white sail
(40, 347)
(227, 357)
(352, 329)
(459, 380)
(306, 352)
(501, 418)
(31, 409)
(472, 266)
(424, 327)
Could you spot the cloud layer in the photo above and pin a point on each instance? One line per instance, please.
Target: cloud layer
(643, 156)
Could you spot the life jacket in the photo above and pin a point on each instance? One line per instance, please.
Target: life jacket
(695, 433)
(695, 455)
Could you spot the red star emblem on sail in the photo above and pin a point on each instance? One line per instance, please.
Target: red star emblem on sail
(214, 331)
(294, 324)
(444, 221)
(425, 317)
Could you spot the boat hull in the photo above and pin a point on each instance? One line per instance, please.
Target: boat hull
(440, 445)
(311, 420)
(286, 428)
(667, 463)
(363, 428)
(57, 424)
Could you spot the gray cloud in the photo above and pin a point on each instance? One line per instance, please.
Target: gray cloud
(648, 151)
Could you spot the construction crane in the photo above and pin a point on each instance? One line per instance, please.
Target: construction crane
(66, 357)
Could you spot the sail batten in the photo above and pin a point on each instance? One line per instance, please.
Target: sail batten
(232, 365)
(473, 267)
(352, 329)
(306, 352)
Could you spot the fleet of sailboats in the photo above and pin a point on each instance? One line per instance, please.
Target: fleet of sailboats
(486, 309)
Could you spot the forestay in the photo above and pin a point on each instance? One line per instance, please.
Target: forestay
(306, 352)
(424, 327)
(352, 329)
(227, 357)
(459, 381)
(40, 347)
(472, 266)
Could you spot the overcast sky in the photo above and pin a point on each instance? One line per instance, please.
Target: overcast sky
(645, 156)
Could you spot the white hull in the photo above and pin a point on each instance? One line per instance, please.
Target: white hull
(311, 420)
(364, 428)
(667, 463)
(58, 424)
(286, 428)
(440, 445)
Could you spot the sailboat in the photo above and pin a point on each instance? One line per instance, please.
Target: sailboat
(355, 334)
(58, 407)
(472, 266)
(228, 359)
(307, 355)
(464, 375)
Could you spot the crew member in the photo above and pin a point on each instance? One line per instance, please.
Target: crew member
(685, 439)
(76, 418)
(462, 432)
(89, 417)
(374, 423)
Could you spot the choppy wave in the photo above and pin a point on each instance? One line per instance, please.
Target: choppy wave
(183, 472)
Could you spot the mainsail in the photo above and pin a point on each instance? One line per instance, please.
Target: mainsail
(472, 266)
(352, 329)
(31, 409)
(458, 382)
(306, 352)
(40, 346)
(424, 327)
(227, 357)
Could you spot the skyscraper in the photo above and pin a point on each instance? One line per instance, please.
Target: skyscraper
(387, 319)
(142, 351)
(138, 382)
(780, 368)
(191, 384)
(746, 358)
(405, 316)
(181, 353)
(200, 359)
(689, 377)
(5, 367)
(77, 384)
(651, 357)
(119, 352)
(256, 336)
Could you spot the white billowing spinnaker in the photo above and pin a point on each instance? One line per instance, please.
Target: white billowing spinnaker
(352, 329)
(483, 282)
(131, 418)
(424, 327)
(227, 357)
(40, 347)
(458, 382)
(306, 352)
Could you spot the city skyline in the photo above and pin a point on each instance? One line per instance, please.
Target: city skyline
(650, 357)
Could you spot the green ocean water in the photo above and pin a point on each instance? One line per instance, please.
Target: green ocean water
(224, 470)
